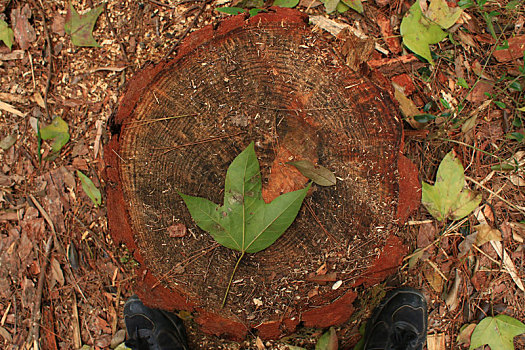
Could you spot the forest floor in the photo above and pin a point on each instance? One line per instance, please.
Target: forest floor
(58, 266)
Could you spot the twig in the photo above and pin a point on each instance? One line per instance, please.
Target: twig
(328, 234)
(495, 194)
(195, 20)
(36, 316)
(49, 54)
(110, 25)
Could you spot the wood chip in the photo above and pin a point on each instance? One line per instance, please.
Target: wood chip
(11, 109)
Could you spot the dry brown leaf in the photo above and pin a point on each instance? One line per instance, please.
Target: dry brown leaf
(518, 231)
(508, 263)
(465, 333)
(407, 107)
(452, 299)
(477, 94)
(434, 278)
(513, 52)
(56, 273)
(486, 234)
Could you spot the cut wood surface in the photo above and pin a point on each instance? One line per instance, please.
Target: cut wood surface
(270, 80)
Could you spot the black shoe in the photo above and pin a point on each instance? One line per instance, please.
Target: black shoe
(399, 322)
(152, 329)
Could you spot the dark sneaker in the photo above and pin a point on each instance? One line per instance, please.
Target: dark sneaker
(399, 322)
(152, 329)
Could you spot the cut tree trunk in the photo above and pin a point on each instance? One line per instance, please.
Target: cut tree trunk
(270, 80)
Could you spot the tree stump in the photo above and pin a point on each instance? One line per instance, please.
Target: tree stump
(270, 80)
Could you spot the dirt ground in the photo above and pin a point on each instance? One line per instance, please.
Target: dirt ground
(58, 266)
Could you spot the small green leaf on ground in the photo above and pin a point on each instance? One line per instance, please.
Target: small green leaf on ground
(330, 5)
(286, 3)
(80, 27)
(328, 341)
(317, 173)
(58, 131)
(418, 32)
(448, 197)
(498, 332)
(231, 10)
(440, 13)
(89, 187)
(354, 4)
(6, 34)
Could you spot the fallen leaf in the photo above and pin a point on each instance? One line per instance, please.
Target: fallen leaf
(286, 3)
(436, 341)
(58, 131)
(6, 34)
(440, 13)
(317, 173)
(498, 332)
(58, 24)
(56, 273)
(245, 222)
(465, 246)
(89, 187)
(465, 333)
(24, 33)
(449, 197)
(513, 52)
(477, 95)
(330, 5)
(231, 10)
(407, 107)
(451, 299)
(416, 255)
(486, 234)
(80, 27)
(434, 278)
(354, 4)
(518, 231)
(328, 341)
(8, 141)
(508, 263)
(418, 32)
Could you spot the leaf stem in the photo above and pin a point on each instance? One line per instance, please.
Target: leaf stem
(231, 279)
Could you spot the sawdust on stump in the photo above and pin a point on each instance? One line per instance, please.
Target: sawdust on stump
(270, 80)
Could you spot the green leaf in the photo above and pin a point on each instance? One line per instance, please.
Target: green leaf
(58, 131)
(341, 7)
(245, 222)
(231, 10)
(328, 341)
(440, 13)
(463, 83)
(6, 34)
(497, 332)
(89, 187)
(418, 32)
(253, 12)
(317, 173)
(354, 4)
(80, 27)
(448, 197)
(286, 3)
(330, 5)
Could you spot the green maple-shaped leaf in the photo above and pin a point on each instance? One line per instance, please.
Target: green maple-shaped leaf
(6, 34)
(245, 222)
(448, 197)
(418, 32)
(80, 27)
(58, 131)
(497, 332)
